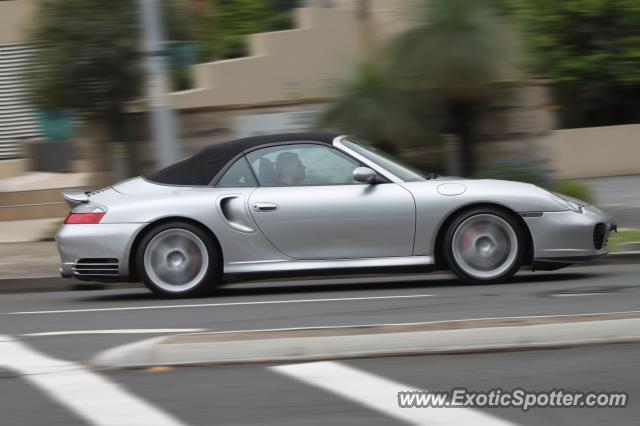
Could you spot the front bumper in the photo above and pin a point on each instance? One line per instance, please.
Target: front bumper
(570, 237)
(97, 252)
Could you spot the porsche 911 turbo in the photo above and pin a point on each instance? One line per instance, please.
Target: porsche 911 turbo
(316, 203)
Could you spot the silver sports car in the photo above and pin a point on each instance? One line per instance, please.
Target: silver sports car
(311, 203)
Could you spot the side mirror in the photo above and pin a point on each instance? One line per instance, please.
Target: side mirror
(364, 175)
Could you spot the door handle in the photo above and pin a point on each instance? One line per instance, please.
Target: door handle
(265, 207)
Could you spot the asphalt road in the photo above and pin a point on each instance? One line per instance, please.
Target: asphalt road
(347, 301)
(257, 394)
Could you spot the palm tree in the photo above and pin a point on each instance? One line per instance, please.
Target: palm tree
(370, 108)
(451, 59)
(433, 78)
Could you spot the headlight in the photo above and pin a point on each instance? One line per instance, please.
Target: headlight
(568, 202)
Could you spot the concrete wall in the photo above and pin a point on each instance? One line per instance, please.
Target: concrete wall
(284, 66)
(15, 167)
(308, 62)
(15, 17)
(594, 151)
(379, 20)
(512, 125)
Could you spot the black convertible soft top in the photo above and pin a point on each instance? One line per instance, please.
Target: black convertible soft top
(202, 167)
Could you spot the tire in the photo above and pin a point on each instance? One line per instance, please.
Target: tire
(484, 246)
(178, 259)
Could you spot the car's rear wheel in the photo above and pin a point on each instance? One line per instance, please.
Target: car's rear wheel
(179, 259)
(484, 246)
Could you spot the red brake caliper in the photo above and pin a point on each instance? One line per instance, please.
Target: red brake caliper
(197, 259)
(469, 235)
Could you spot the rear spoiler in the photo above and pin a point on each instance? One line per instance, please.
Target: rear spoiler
(75, 198)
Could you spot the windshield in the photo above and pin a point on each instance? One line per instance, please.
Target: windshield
(404, 172)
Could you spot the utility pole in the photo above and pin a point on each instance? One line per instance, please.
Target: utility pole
(163, 122)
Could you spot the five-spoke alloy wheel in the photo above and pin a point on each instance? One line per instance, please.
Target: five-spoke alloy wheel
(484, 245)
(178, 259)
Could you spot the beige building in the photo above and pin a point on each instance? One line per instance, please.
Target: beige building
(304, 63)
(288, 78)
(15, 19)
(289, 75)
(16, 117)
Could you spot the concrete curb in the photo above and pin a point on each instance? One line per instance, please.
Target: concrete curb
(360, 341)
(56, 283)
(619, 258)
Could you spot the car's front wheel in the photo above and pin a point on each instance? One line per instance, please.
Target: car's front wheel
(484, 246)
(178, 259)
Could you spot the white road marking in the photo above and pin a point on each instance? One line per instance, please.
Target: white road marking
(87, 394)
(208, 305)
(580, 294)
(124, 331)
(380, 394)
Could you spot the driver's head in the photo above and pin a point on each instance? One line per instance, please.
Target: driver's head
(289, 168)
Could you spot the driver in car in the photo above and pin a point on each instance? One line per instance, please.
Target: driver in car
(290, 169)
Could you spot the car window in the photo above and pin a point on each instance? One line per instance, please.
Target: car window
(302, 165)
(389, 163)
(238, 176)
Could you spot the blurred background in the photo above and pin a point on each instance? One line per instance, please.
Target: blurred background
(533, 90)
(96, 91)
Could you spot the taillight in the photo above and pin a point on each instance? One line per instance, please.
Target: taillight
(83, 218)
(85, 214)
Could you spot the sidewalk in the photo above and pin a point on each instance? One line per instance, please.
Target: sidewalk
(29, 260)
(27, 267)
(27, 231)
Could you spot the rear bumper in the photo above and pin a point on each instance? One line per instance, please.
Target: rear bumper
(570, 237)
(96, 252)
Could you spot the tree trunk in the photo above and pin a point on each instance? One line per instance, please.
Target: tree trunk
(462, 123)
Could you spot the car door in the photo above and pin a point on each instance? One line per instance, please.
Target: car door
(309, 206)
